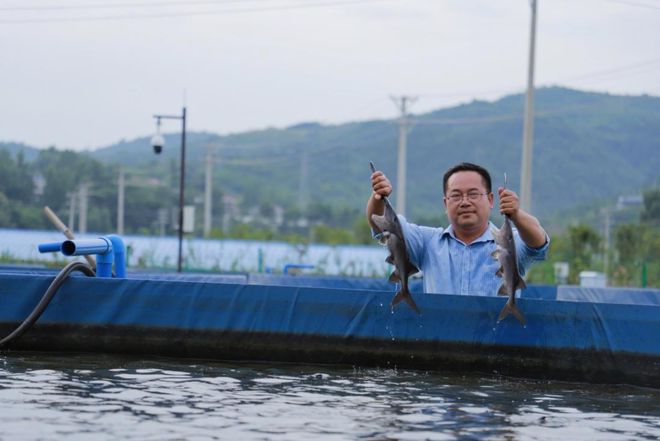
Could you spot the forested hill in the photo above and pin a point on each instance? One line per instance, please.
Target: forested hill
(588, 148)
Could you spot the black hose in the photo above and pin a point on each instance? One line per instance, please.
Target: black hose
(47, 297)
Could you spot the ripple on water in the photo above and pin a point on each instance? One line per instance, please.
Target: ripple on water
(78, 396)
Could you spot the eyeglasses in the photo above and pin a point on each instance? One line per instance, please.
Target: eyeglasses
(472, 196)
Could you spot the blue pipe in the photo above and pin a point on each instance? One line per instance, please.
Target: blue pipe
(50, 247)
(290, 266)
(82, 247)
(108, 249)
(120, 255)
(104, 263)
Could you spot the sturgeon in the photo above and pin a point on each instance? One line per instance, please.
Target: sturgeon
(392, 232)
(505, 254)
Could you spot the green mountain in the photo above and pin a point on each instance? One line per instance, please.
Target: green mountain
(589, 148)
(14, 148)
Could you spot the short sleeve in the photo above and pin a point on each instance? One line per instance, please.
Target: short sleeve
(417, 238)
(528, 255)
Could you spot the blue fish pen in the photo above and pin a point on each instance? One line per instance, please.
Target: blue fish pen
(604, 335)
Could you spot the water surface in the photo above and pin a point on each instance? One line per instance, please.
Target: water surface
(103, 397)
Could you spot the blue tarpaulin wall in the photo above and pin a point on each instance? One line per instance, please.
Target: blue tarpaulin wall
(334, 312)
(634, 296)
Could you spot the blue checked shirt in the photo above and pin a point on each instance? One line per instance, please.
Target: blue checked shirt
(451, 267)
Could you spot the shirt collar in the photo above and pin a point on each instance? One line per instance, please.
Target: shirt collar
(487, 236)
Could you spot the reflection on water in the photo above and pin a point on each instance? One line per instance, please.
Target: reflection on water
(108, 397)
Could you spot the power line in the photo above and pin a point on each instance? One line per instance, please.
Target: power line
(125, 5)
(636, 4)
(499, 118)
(615, 70)
(306, 5)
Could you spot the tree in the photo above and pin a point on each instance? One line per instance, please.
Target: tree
(627, 239)
(584, 242)
(651, 212)
(16, 177)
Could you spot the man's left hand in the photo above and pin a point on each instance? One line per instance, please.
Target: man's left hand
(509, 203)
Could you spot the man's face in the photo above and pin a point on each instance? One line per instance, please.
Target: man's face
(469, 212)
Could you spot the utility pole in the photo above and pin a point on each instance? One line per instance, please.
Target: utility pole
(302, 183)
(606, 254)
(401, 102)
(121, 185)
(208, 189)
(528, 130)
(82, 213)
(72, 209)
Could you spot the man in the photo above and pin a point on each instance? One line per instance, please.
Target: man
(458, 259)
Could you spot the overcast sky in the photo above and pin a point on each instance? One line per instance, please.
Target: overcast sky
(84, 74)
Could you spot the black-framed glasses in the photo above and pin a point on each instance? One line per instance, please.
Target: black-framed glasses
(471, 196)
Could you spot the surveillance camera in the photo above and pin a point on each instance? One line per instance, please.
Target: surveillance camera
(157, 142)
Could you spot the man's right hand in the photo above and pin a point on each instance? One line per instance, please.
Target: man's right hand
(380, 185)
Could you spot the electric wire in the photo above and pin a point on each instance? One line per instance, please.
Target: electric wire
(615, 70)
(126, 5)
(635, 4)
(286, 7)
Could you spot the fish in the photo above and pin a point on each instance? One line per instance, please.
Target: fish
(505, 254)
(395, 241)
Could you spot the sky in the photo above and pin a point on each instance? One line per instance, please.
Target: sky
(84, 74)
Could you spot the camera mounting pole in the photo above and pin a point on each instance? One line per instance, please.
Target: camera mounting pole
(158, 142)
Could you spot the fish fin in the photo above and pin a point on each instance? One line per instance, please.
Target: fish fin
(407, 298)
(521, 284)
(411, 269)
(517, 313)
(395, 277)
(511, 308)
(495, 254)
(390, 259)
(500, 272)
(503, 290)
(379, 221)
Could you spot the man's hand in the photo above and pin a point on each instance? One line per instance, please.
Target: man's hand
(380, 185)
(509, 203)
(529, 228)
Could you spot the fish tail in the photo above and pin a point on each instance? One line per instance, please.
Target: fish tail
(405, 296)
(511, 308)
